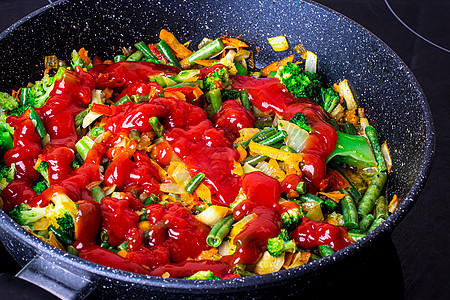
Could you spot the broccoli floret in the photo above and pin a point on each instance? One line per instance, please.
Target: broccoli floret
(18, 111)
(277, 245)
(66, 225)
(6, 176)
(26, 215)
(300, 120)
(39, 187)
(217, 80)
(77, 61)
(40, 91)
(7, 102)
(204, 275)
(299, 82)
(43, 169)
(329, 99)
(292, 216)
(230, 95)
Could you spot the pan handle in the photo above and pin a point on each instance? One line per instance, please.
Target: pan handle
(56, 279)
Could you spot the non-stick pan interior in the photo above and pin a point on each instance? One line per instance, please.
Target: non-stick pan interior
(381, 83)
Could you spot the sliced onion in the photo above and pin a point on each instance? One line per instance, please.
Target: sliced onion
(297, 136)
(386, 156)
(311, 61)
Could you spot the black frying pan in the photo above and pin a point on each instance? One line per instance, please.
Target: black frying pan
(381, 82)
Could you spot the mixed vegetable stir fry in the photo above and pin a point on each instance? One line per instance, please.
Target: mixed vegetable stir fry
(192, 164)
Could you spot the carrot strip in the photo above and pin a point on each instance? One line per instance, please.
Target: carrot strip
(180, 50)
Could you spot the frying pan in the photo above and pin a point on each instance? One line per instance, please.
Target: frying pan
(382, 84)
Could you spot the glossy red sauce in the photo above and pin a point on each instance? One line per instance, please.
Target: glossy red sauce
(268, 94)
(310, 234)
(233, 117)
(290, 182)
(124, 73)
(187, 268)
(263, 193)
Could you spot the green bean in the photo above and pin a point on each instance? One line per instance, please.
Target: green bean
(157, 126)
(220, 231)
(206, 51)
(364, 224)
(356, 236)
(244, 100)
(375, 224)
(123, 100)
(372, 135)
(96, 131)
(325, 250)
(39, 126)
(97, 194)
(143, 48)
(381, 208)
(184, 75)
(123, 246)
(333, 123)
(136, 56)
(152, 199)
(279, 136)
(330, 204)
(349, 212)
(263, 134)
(194, 183)
(120, 58)
(60, 236)
(348, 128)
(215, 98)
(288, 149)
(167, 52)
(372, 193)
(143, 216)
(254, 160)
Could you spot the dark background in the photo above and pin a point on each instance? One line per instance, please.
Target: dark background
(412, 263)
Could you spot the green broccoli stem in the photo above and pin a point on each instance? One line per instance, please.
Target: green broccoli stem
(39, 126)
(120, 58)
(214, 97)
(244, 100)
(60, 236)
(381, 208)
(143, 48)
(206, 51)
(372, 135)
(349, 212)
(167, 52)
(194, 183)
(372, 193)
(254, 160)
(262, 135)
(220, 231)
(6, 140)
(98, 194)
(136, 56)
(157, 126)
(279, 136)
(325, 250)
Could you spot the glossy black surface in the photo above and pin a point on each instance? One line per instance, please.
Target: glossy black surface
(422, 272)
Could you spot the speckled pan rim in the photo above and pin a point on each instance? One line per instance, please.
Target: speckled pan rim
(211, 287)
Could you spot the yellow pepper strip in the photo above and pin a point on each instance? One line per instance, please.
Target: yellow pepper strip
(393, 204)
(211, 254)
(237, 169)
(197, 92)
(335, 196)
(274, 169)
(292, 159)
(203, 193)
(242, 153)
(144, 225)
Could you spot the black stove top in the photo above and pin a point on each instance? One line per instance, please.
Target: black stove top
(412, 263)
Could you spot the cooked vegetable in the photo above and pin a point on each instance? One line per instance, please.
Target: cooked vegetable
(203, 275)
(220, 231)
(282, 243)
(279, 43)
(205, 52)
(372, 135)
(299, 82)
(325, 250)
(300, 120)
(143, 48)
(373, 192)
(194, 183)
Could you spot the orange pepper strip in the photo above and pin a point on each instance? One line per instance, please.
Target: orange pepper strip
(336, 197)
(276, 64)
(180, 50)
(227, 41)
